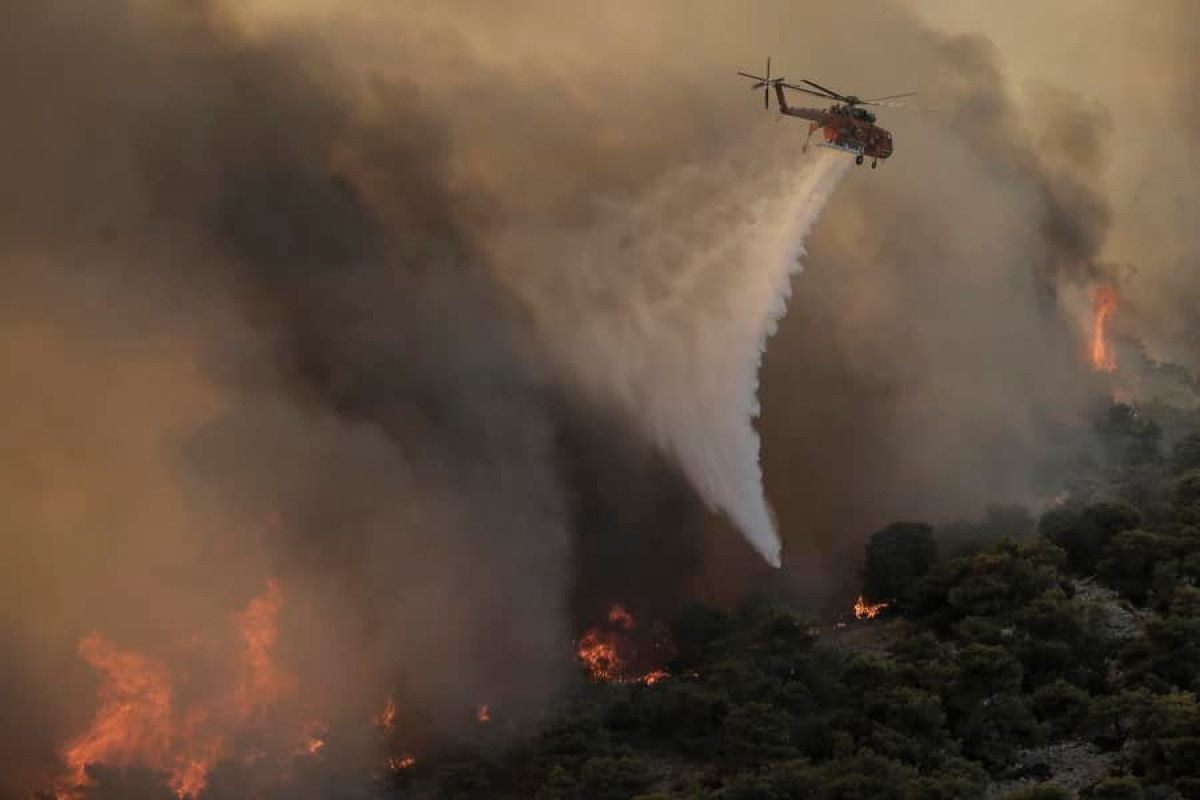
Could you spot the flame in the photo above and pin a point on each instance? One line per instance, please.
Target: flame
(262, 682)
(865, 610)
(314, 737)
(134, 718)
(401, 762)
(605, 651)
(598, 653)
(651, 678)
(1104, 300)
(387, 718)
(482, 714)
(141, 721)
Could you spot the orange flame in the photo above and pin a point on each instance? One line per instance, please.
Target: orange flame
(651, 678)
(140, 721)
(865, 610)
(1104, 306)
(603, 653)
(134, 719)
(314, 737)
(401, 762)
(598, 653)
(387, 718)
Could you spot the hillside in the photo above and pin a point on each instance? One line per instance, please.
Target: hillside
(1017, 657)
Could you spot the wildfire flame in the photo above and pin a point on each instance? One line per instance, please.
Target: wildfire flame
(651, 678)
(134, 718)
(865, 610)
(142, 722)
(1104, 300)
(402, 762)
(601, 651)
(387, 718)
(599, 655)
(314, 737)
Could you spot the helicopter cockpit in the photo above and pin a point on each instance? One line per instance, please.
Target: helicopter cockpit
(863, 114)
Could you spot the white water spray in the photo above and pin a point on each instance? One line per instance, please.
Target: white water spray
(665, 308)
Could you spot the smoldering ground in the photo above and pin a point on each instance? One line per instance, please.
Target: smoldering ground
(319, 294)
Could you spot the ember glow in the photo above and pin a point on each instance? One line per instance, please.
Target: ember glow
(617, 615)
(865, 610)
(1104, 305)
(143, 720)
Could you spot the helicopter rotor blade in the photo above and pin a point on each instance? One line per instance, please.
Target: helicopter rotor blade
(810, 91)
(830, 92)
(890, 97)
(900, 105)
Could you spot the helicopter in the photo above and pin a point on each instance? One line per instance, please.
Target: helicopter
(846, 125)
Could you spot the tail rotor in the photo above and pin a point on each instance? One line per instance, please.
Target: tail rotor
(764, 82)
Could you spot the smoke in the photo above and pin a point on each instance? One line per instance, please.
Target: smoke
(444, 315)
(267, 320)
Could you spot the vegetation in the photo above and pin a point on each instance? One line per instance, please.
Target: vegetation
(1002, 645)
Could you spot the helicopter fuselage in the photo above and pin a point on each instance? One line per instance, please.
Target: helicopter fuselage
(845, 127)
(851, 130)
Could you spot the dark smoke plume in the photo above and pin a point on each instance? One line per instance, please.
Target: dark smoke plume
(300, 290)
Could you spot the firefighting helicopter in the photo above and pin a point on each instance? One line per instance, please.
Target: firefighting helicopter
(847, 127)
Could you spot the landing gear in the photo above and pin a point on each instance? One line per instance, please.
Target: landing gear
(858, 159)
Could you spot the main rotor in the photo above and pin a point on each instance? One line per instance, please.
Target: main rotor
(766, 82)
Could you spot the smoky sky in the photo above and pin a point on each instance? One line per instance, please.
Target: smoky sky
(297, 290)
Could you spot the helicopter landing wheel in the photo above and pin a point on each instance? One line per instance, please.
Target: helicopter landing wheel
(858, 160)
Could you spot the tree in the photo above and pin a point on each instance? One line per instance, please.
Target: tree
(1047, 792)
(1114, 718)
(985, 671)
(756, 733)
(1128, 563)
(864, 774)
(1185, 455)
(694, 632)
(1002, 582)
(608, 778)
(955, 780)
(897, 558)
(1086, 536)
(1129, 438)
(999, 523)
(1185, 498)
(1063, 706)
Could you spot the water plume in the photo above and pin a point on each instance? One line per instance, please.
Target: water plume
(666, 306)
